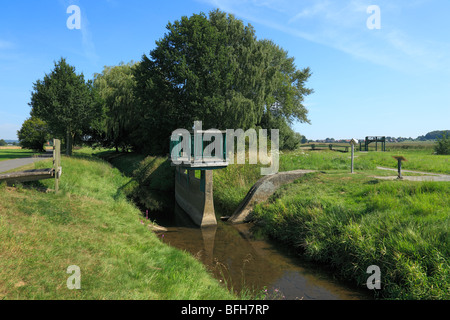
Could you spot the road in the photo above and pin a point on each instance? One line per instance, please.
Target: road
(17, 163)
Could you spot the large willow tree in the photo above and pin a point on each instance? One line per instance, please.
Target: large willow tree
(213, 69)
(115, 87)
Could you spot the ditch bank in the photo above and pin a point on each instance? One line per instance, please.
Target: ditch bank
(245, 263)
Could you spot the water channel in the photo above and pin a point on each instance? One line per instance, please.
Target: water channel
(240, 260)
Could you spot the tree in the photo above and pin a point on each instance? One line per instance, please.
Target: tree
(115, 87)
(214, 69)
(434, 135)
(33, 134)
(3, 143)
(443, 144)
(65, 101)
(285, 85)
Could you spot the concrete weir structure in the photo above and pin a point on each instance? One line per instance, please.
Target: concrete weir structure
(205, 151)
(262, 190)
(195, 195)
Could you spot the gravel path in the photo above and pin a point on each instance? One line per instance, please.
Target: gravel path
(429, 176)
(17, 163)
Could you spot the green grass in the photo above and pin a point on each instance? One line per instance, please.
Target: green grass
(350, 222)
(242, 177)
(9, 154)
(344, 221)
(417, 159)
(91, 224)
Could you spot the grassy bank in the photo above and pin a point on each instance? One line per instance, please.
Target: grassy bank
(344, 221)
(91, 224)
(350, 222)
(242, 177)
(151, 179)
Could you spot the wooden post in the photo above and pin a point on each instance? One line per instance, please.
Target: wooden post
(399, 160)
(353, 142)
(57, 162)
(353, 154)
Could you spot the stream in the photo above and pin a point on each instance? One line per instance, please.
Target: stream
(240, 260)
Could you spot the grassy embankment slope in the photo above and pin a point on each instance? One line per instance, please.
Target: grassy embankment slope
(350, 222)
(91, 224)
(346, 221)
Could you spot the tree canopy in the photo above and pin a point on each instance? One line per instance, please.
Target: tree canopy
(65, 101)
(33, 134)
(115, 87)
(214, 69)
(208, 68)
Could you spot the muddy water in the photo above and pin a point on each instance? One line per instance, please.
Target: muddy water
(236, 258)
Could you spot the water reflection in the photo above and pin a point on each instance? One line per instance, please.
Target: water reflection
(235, 257)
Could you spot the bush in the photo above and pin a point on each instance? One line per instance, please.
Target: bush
(443, 144)
(33, 134)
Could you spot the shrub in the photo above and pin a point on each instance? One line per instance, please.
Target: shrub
(443, 144)
(33, 134)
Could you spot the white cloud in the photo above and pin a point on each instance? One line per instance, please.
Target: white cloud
(342, 26)
(310, 12)
(87, 40)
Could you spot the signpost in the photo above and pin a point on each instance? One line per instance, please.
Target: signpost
(400, 159)
(57, 162)
(353, 143)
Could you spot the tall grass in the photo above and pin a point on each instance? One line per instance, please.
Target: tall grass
(91, 224)
(348, 222)
(351, 222)
(417, 159)
(322, 160)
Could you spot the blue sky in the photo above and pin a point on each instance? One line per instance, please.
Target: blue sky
(392, 81)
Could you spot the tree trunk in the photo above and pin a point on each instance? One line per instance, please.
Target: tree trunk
(69, 143)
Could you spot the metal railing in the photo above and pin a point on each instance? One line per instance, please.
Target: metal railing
(198, 147)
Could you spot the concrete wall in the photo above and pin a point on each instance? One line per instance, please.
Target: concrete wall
(262, 190)
(195, 196)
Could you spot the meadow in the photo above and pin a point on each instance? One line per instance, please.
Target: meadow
(347, 221)
(8, 153)
(351, 221)
(336, 219)
(242, 177)
(90, 223)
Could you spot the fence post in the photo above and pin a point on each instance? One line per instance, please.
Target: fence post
(353, 142)
(57, 162)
